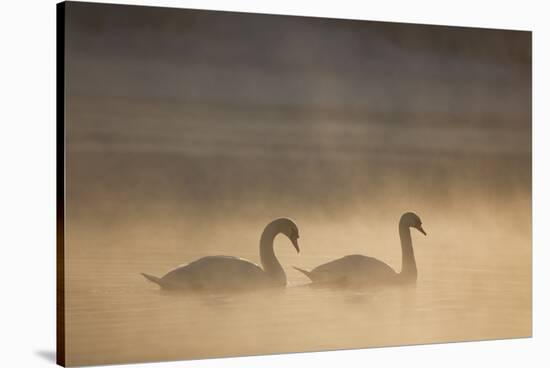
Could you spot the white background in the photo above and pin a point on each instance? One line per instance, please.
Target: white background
(27, 181)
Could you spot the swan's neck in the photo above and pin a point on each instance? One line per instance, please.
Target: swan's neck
(270, 264)
(408, 263)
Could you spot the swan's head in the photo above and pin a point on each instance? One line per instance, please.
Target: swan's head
(287, 227)
(411, 219)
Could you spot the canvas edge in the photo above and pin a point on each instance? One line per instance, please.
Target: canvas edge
(60, 184)
(218, 9)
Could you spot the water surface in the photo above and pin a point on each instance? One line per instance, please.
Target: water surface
(473, 287)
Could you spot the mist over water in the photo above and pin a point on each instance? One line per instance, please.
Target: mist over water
(474, 283)
(187, 133)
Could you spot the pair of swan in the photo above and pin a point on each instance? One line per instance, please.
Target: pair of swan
(223, 273)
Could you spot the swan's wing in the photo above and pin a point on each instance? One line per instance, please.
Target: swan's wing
(224, 264)
(331, 271)
(216, 273)
(353, 268)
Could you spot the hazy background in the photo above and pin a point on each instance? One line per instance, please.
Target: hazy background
(187, 131)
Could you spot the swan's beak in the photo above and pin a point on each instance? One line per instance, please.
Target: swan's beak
(295, 243)
(421, 230)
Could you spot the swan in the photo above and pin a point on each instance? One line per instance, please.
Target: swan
(361, 270)
(226, 273)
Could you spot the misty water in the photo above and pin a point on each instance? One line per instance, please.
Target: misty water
(474, 269)
(474, 283)
(147, 199)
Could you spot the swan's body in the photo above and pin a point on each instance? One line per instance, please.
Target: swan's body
(226, 273)
(352, 269)
(358, 270)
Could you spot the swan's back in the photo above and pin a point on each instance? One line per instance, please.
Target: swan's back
(216, 273)
(354, 269)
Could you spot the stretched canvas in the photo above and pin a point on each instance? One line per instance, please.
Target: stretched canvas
(236, 184)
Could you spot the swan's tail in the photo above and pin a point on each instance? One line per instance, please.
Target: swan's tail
(307, 273)
(154, 279)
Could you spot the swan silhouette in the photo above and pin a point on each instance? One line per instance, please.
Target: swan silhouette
(359, 270)
(226, 273)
